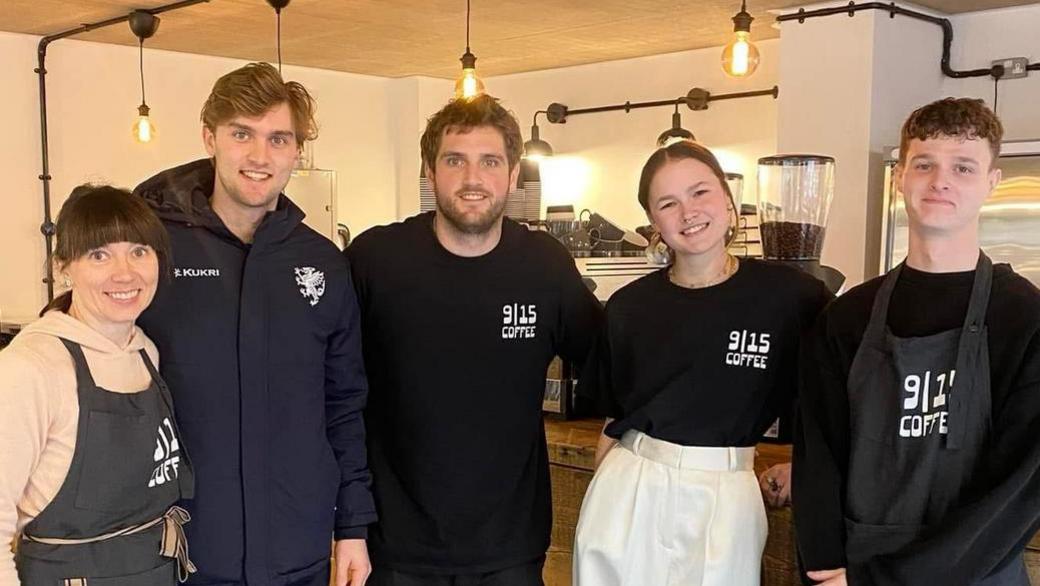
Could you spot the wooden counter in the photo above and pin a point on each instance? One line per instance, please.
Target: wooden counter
(572, 450)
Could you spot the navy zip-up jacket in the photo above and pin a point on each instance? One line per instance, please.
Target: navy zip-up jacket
(261, 348)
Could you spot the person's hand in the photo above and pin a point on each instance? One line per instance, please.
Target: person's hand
(776, 485)
(352, 565)
(829, 577)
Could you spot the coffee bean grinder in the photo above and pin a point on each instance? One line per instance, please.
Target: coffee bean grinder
(794, 197)
(795, 193)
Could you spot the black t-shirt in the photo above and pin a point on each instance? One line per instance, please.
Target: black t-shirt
(702, 367)
(456, 351)
(1005, 507)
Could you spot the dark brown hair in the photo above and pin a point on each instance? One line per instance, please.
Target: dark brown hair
(97, 215)
(463, 115)
(963, 118)
(678, 151)
(254, 89)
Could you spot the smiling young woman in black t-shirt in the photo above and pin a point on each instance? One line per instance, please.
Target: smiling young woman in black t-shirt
(694, 363)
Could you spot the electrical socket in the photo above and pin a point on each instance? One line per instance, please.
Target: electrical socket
(1014, 67)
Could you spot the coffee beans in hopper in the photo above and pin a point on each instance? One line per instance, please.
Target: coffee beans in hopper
(791, 240)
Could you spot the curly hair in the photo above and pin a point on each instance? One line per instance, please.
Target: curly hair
(962, 118)
(462, 115)
(254, 89)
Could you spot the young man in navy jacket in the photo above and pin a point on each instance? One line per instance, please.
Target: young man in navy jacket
(260, 341)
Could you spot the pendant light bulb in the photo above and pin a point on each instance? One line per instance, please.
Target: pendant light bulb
(468, 85)
(144, 129)
(143, 24)
(740, 57)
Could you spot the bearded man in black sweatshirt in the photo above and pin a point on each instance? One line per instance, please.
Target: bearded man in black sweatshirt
(461, 312)
(917, 460)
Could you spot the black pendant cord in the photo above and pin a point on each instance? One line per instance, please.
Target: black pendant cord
(141, 53)
(467, 26)
(852, 8)
(996, 82)
(47, 228)
(278, 35)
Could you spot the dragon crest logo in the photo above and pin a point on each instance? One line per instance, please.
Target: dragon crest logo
(311, 282)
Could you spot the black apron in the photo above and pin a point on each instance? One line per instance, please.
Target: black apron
(920, 412)
(113, 521)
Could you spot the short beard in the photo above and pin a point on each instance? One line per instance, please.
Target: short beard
(473, 227)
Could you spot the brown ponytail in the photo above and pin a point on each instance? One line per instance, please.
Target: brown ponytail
(61, 303)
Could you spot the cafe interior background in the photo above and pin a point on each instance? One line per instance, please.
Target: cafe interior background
(379, 69)
(838, 83)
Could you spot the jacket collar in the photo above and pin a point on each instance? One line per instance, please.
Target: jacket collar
(181, 195)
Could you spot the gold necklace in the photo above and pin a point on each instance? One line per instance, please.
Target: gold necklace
(728, 268)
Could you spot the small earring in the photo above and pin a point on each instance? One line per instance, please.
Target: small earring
(658, 252)
(66, 281)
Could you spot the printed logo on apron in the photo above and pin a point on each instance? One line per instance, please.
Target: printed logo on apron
(166, 456)
(924, 404)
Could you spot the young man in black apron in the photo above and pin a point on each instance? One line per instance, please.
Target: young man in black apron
(917, 459)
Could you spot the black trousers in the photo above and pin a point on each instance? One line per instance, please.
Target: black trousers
(528, 574)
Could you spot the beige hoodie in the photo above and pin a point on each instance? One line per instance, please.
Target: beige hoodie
(39, 413)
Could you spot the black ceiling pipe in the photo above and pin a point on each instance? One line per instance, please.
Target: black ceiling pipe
(696, 99)
(47, 228)
(995, 71)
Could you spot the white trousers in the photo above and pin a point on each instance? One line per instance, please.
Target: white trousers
(660, 514)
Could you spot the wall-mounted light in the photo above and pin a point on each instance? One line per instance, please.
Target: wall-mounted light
(537, 149)
(468, 84)
(676, 132)
(143, 24)
(740, 56)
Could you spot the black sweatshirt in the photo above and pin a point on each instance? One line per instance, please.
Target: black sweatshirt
(702, 367)
(1001, 512)
(456, 351)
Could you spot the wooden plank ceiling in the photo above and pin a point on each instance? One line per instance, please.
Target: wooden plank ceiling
(398, 38)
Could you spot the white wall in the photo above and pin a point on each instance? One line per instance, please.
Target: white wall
(834, 121)
(412, 100)
(598, 157)
(981, 37)
(906, 76)
(93, 92)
